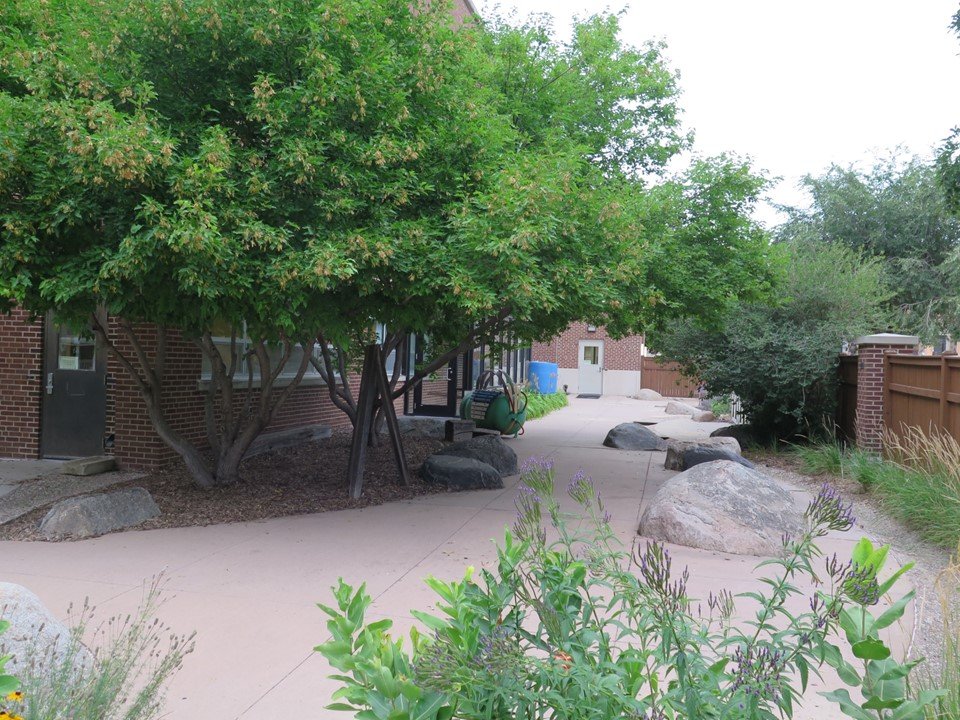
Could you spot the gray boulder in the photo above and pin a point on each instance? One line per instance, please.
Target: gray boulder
(676, 449)
(93, 515)
(699, 455)
(704, 416)
(647, 394)
(723, 506)
(634, 436)
(489, 449)
(420, 426)
(460, 473)
(744, 434)
(35, 634)
(679, 408)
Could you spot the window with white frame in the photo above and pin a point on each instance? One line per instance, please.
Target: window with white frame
(222, 335)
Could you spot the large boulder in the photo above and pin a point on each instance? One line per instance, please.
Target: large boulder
(676, 449)
(704, 416)
(648, 394)
(679, 408)
(744, 434)
(723, 506)
(460, 473)
(489, 449)
(92, 515)
(35, 634)
(634, 436)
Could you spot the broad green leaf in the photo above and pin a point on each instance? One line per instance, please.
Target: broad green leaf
(847, 705)
(871, 649)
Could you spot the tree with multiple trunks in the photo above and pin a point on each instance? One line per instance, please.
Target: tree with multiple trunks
(298, 171)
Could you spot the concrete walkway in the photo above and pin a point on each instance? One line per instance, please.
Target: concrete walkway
(249, 590)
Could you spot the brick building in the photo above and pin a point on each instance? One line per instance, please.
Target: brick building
(592, 362)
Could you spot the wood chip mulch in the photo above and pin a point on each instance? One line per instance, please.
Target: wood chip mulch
(309, 478)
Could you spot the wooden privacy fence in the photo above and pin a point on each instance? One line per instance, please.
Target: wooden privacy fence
(922, 392)
(665, 378)
(847, 401)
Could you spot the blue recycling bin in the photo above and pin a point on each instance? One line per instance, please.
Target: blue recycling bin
(542, 377)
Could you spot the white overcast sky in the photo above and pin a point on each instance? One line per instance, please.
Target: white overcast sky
(797, 86)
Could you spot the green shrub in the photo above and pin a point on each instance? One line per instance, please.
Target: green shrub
(820, 458)
(575, 628)
(720, 407)
(134, 658)
(539, 405)
(781, 359)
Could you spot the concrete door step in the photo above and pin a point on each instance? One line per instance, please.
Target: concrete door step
(93, 465)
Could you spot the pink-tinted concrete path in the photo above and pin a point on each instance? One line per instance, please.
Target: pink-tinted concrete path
(249, 590)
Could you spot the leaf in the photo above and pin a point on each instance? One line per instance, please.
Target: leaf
(890, 688)
(833, 658)
(847, 705)
(875, 703)
(871, 649)
(8, 683)
(862, 551)
(804, 670)
(431, 621)
(894, 612)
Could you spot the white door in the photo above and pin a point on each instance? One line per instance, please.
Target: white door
(591, 367)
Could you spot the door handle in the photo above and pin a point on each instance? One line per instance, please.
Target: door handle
(50, 383)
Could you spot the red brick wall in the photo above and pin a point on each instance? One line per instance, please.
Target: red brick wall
(622, 354)
(462, 10)
(870, 369)
(138, 446)
(21, 385)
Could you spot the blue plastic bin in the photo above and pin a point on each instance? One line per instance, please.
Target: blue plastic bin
(542, 377)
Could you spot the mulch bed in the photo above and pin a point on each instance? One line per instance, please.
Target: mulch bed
(309, 478)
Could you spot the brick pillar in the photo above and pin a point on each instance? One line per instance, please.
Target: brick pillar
(871, 350)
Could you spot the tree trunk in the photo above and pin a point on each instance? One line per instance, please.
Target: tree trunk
(230, 435)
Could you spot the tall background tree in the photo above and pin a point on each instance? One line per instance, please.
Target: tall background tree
(896, 211)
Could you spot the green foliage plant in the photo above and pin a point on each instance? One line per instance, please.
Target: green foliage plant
(917, 479)
(10, 692)
(569, 625)
(539, 404)
(134, 658)
(780, 357)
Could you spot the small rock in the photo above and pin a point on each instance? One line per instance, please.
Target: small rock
(633, 436)
(92, 515)
(704, 416)
(420, 426)
(679, 408)
(722, 506)
(676, 449)
(647, 394)
(35, 634)
(489, 449)
(460, 473)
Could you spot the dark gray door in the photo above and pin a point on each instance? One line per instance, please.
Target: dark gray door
(75, 395)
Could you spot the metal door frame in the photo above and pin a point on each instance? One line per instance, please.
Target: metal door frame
(582, 344)
(49, 363)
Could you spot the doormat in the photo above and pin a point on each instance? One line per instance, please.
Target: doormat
(589, 397)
